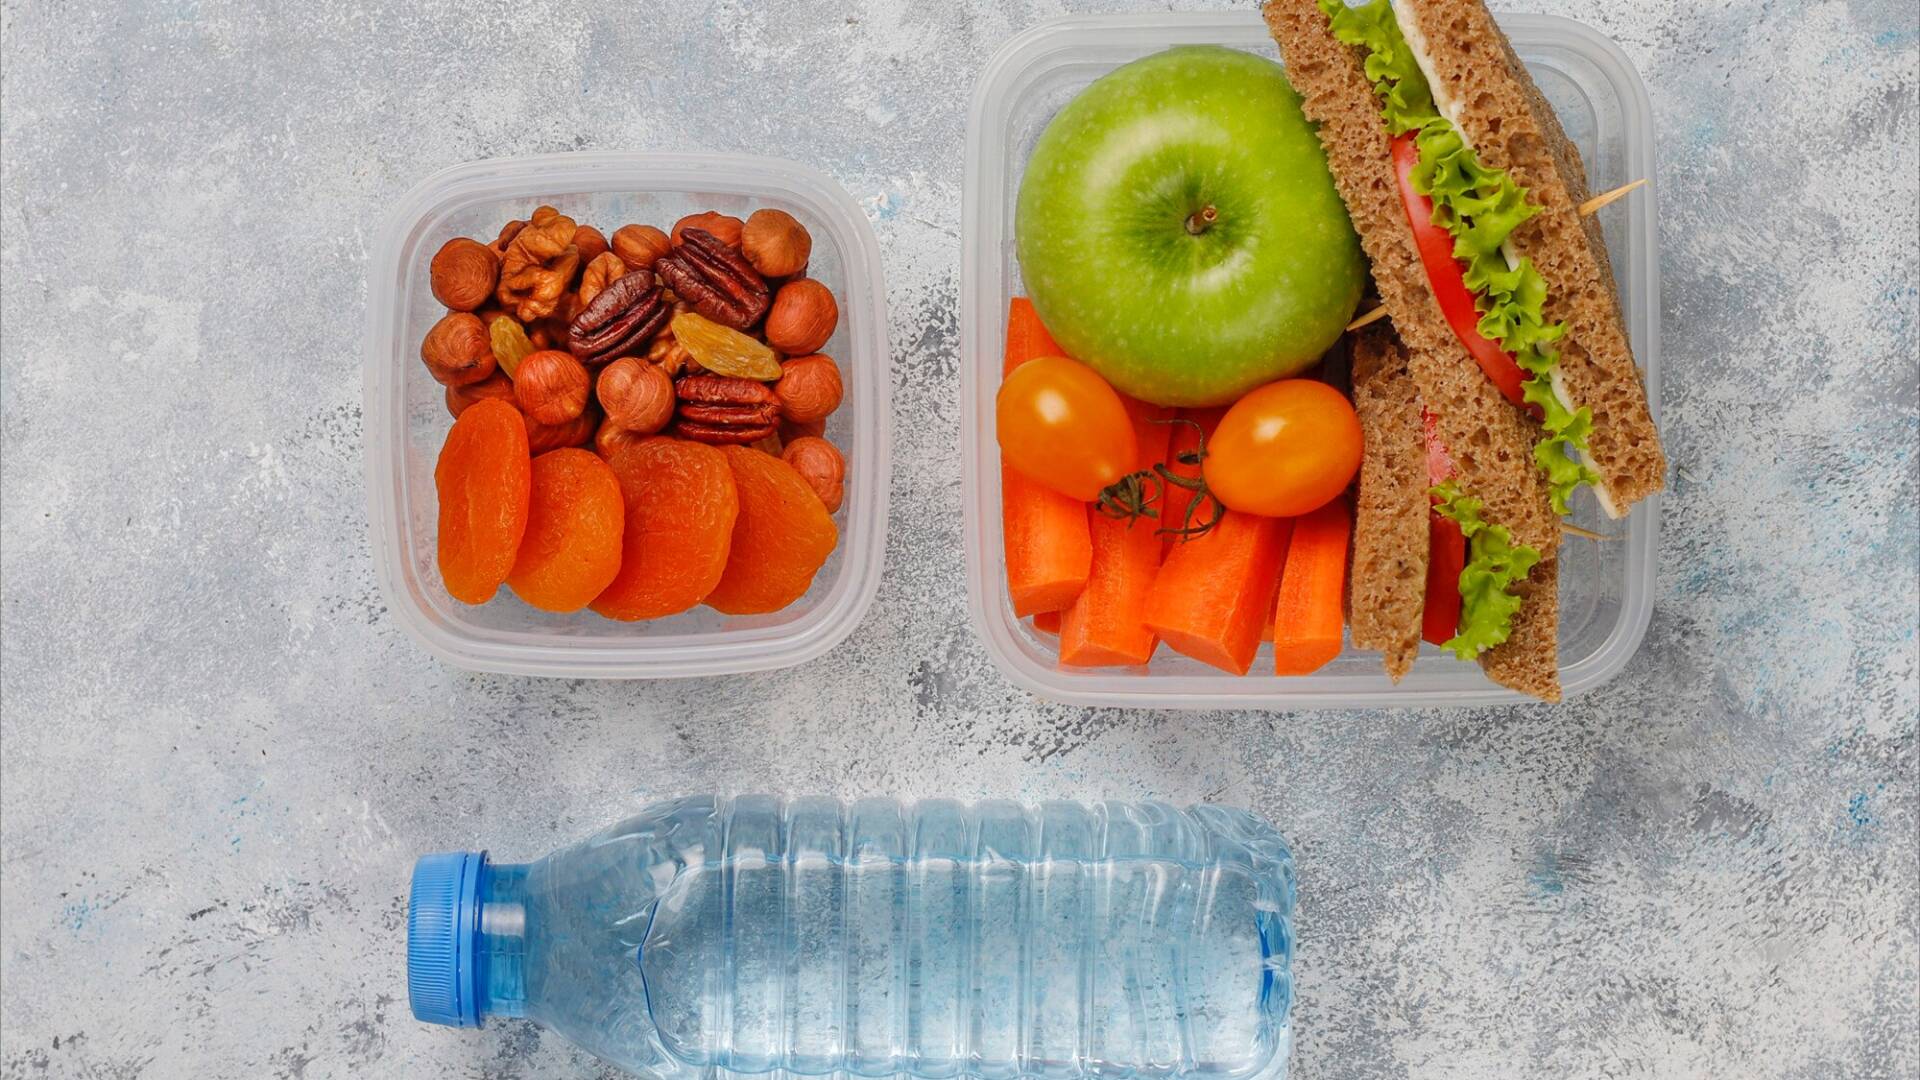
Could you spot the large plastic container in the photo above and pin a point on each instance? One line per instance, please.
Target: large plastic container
(406, 419)
(1606, 588)
(722, 937)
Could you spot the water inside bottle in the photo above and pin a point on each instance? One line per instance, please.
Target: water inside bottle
(1116, 941)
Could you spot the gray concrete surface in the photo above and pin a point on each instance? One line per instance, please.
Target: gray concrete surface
(220, 755)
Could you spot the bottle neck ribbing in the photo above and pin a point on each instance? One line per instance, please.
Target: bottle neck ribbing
(500, 951)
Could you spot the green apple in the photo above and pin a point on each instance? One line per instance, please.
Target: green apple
(1179, 232)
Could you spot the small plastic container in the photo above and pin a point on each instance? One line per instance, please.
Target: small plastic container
(406, 416)
(1606, 587)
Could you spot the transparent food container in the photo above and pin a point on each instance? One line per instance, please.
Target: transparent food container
(407, 420)
(1605, 587)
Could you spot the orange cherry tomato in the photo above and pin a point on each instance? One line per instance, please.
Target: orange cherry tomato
(1063, 426)
(1284, 450)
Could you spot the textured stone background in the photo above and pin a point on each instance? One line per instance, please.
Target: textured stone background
(221, 756)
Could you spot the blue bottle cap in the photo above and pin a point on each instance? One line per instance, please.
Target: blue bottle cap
(443, 930)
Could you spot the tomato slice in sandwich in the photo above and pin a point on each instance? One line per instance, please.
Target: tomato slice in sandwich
(1449, 280)
(1446, 547)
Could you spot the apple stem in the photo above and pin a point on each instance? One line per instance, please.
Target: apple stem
(1199, 220)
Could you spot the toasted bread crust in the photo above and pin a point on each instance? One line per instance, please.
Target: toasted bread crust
(1529, 660)
(1387, 584)
(1490, 440)
(1511, 126)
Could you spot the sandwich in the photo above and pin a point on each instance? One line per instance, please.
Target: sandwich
(1505, 383)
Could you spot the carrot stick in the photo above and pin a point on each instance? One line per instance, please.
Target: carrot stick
(1184, 438)
(1027, 337)
(1106, 626)
(1215, 591)
(1049, 550)
(1309, 620)
(1048, 622)
(1044, 535)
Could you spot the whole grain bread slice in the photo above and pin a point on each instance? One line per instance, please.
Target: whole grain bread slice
(1511, 126)
(1387, 583)
(1491, 441)
(1529, 660)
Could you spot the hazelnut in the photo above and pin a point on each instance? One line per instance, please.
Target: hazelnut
(457, 350)
(591, 242)
(575, 432)
(636, 395)
(640, 246)
(496, 385)
(809, 388)
(802, 318)
(612, 438)
(819, 463)
(721, 225)
(463, 273)
(775, 243)
(551, 387)
(605, 269)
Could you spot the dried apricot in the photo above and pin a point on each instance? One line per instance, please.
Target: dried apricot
(483, 479)
(681, 507)
(575, 521)
(780, 539)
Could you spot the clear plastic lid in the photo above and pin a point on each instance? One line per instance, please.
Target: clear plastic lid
(1606, 587)
(406, 417)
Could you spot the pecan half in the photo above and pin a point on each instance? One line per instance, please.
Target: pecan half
(620, 319)
(715, 279)
(721, 434)
(738, 415)
(720, 409)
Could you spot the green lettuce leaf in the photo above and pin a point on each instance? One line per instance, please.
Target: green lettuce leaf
(1405, 97)
(1480, 207)
(1494, 564)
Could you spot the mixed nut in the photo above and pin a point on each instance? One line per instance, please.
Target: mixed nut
(709, 331)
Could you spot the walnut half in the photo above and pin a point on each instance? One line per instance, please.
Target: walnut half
(538, 265)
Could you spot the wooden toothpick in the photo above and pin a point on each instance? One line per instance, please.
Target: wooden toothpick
(1591, 206)
(1586, 534)
(1585, 209)
(1370, 317)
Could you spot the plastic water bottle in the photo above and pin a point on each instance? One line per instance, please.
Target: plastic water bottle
(709, 936)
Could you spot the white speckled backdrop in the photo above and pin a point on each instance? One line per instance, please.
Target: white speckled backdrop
(220, 756)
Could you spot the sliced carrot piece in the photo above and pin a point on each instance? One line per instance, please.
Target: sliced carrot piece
(1106, 626)
(1044, 536)
(1048, 622)
(1310, 618)
(1215, 591)
(1027, 337)
(1184, 438)
(1049, 549)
